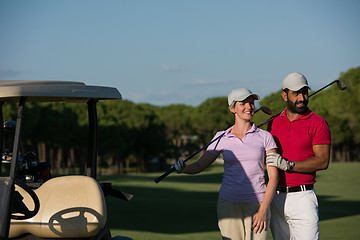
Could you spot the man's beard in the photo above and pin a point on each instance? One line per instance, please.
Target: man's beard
(294, 109)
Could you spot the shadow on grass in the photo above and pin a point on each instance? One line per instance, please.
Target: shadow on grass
(163, 208)
(164, 211)
(208, 179)
(166, 208)
(331, 209)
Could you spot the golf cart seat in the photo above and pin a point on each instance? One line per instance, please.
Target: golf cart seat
(70, 207)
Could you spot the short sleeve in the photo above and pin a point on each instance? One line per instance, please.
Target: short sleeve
(214, 147)
(269, 142)
(321, 133)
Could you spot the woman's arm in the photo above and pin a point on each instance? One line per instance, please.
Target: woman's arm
(200, 165)
(259, 218)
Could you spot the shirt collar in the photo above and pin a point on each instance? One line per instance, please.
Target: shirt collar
(253, 129)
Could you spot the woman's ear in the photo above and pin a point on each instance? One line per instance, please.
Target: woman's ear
(232, 108)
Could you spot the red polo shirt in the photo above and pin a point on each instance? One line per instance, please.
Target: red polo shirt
(295, 142)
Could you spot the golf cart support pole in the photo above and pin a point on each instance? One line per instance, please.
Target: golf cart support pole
(7, 183)
(93, 139)
(1, 132)
(339, 83)
(91, 167)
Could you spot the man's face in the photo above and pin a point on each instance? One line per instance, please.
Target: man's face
(297, 101)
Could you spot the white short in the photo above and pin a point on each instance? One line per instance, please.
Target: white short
(295, 216)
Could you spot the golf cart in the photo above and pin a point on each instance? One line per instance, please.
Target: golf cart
(33, 205)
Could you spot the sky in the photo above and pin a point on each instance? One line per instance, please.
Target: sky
(166, 52)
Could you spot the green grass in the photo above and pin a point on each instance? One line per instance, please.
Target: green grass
(184, 206)
(338, 190)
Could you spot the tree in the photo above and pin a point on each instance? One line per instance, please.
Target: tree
(179, 128)
(273, 101)
(342, 112)
(212, 116)
(134, 131)
(132, 134)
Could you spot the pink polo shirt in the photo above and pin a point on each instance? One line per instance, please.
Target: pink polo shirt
(243, 179)
(295, 142)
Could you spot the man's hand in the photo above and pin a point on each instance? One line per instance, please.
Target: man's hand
(276, 160)
(180, 166)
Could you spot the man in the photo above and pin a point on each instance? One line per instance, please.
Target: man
(303, 140)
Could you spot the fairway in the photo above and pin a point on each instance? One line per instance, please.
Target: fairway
(184, 206)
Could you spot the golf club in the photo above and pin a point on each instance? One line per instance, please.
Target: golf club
(341, 85)
(264, 109)
(172, 168)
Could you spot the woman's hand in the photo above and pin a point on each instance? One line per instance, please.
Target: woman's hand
(259, 221)
(180, 166)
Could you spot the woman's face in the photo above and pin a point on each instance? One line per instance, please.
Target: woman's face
(244, 109)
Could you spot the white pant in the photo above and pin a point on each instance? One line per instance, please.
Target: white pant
(295, 216)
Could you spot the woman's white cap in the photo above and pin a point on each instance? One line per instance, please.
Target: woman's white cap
(295, 81)
(240, 94)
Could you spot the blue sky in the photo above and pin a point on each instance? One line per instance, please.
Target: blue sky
(167, 52)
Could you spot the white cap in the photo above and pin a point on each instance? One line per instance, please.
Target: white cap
(240, 94)
(295, 81)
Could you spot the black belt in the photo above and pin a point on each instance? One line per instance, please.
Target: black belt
(299, 188)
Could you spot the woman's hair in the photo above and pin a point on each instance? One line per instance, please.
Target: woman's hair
(232, 105)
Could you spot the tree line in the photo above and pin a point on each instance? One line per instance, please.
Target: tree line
(143, 137)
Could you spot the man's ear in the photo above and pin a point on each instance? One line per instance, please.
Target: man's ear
(284, 96)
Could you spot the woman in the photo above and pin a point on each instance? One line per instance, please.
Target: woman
(244, 200)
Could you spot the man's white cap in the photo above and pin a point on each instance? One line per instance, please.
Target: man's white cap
(295, 81)
(240, 94)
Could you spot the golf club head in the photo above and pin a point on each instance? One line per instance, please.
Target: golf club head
(266, 110)
(341, 84)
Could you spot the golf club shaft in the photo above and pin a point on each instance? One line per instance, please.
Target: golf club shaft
(312, 94)
(257, 110)
(323, 88)
(157, 180)
(263, 123)
(192, 155)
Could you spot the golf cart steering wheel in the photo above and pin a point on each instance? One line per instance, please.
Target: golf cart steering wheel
(20, 206)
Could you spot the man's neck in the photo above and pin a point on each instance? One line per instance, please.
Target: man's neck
(291, 115)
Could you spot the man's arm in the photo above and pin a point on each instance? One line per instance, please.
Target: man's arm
(319, 162)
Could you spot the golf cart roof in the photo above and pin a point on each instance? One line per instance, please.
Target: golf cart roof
(51, 91)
